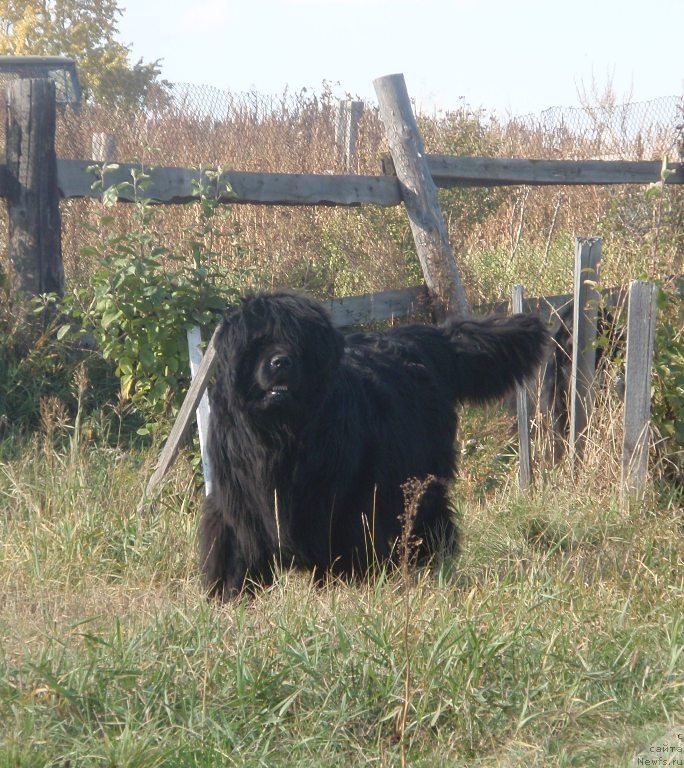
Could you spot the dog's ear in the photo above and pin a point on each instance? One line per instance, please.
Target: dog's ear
(324, 342)
(336, 347)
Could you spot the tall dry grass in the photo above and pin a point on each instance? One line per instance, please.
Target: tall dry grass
(557, 640)
(500, 236)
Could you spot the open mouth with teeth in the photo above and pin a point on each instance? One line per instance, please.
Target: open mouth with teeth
(277, 392)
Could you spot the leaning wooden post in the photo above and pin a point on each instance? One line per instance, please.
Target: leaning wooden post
(185, 417)
(585, 312)
(419, 194)
(34, 222)
(523, 409)
(641, 326)
(194, 335)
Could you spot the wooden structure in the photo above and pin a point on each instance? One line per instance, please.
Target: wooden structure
(33, 180)
(641, 325)
(346, 131)
(585, 313)
(522, 407)
(29, 182)
(419, 193)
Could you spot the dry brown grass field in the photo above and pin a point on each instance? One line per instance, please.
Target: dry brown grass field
(499, 235)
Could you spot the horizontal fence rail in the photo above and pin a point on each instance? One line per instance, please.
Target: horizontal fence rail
(449, 171)
(177, 185)
(33, 179)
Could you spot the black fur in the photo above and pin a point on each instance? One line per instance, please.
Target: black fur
(313, 434)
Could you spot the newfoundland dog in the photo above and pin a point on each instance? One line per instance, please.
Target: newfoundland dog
(314, 435)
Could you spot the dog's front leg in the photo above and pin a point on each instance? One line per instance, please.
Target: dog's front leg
(223, 565)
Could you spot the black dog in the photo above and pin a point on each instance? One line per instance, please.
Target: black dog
(313, 434)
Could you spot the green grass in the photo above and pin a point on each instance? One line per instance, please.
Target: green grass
(556, 640)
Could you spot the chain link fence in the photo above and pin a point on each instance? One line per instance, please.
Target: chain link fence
(197, 125)
(635, 131)
(501, 236)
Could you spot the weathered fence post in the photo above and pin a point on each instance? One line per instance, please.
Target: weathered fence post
(103, 147)
(184, 419)
(34, 223)
(641, 325)
(585, 312)
(346, 130)
(419, 194)
(522, 409)
(194, 335)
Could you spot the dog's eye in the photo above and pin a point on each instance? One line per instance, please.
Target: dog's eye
(280, 362)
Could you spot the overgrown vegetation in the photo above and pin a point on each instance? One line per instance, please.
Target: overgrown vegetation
(36, 367)
(133, 317)
(556, 639)
(145, 296)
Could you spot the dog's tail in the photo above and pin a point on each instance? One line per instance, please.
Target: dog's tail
(493, 354)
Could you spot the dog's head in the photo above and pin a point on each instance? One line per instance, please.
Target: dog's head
(276, 355)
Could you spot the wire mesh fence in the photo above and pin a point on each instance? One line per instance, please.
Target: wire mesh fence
(198, 125)
(634, 131)
(337, 251)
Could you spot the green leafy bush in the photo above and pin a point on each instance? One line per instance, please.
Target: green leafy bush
(36, 366)
(144, 297)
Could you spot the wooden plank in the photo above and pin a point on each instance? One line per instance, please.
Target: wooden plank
(346, 130)
(33, 219)
(641, 325)
(449, 171)
(523, 410)
(202, 413)
(544, 306)
(585, 312)
(419, 194)
(175, 186)
(354, 311)
(184, 419)
(547, 306)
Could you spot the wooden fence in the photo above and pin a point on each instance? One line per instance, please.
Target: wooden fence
(33, 180)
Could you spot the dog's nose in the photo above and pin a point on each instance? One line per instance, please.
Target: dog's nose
(281, 362)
